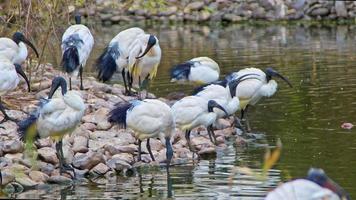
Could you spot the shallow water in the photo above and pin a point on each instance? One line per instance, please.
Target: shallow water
(318, 60)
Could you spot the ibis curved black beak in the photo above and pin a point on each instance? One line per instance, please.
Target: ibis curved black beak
(234, 83)
(271, 72)
(213, 104)
(22, 73)
(56, 83)
(319, 177)
(31, 45)
(151, 42)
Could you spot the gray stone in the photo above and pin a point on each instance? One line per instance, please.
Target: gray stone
(319, 12)
(194, 6)
(48, 154)
(25, 181)
(118, 164)
(38, 176)
(12, 146)
(7, 177)
(80, 144)
(88, 160)
(340, 8)
(13, 187)
(100, 169)
(59, 180)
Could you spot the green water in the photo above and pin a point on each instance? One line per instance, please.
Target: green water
(318, 60)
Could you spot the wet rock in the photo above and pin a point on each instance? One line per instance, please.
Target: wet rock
(200, 141)
(12, 146)
(208, 150)
(231, 18)
(118, 164)
(125, 157)
(169, 11)
(88, 160)
(340, 9)
(48, 154)
(319, 12)
(59, 180)
(100, 169)
(13, 187)
(121, 149)
(80, 144)
(38, 176)
(194, 6)
(7, 177)
(45, 167)
(25, 181)
(44, 142)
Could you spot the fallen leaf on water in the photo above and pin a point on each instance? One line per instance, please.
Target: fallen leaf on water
(347, 126)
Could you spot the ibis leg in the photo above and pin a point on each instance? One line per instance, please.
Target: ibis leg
(187, 137)
(169, 152)
(246, 121)
(0, 179)
(81, 77)
(70, 83)
(149, 149)
(129, 80)
(139, 150)
(212, 134)
(63, 167)
(124, 78)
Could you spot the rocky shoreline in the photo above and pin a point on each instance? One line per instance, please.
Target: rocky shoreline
(95, 148)
(221, 10)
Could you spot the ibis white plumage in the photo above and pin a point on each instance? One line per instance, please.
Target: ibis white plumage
(132, 51)
(193, 111)
(251, 91)
(9, 80)
(77, 43)
(201, 70)
(55, 118)
(15, 48)
(316, 186)
(148, 118)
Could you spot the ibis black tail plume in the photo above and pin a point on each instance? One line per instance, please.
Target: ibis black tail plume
(201, 88)
(118, 114)
(106, 64)
(70, 59)
(181, 71)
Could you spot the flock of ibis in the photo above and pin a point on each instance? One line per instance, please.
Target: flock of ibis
(136, 55)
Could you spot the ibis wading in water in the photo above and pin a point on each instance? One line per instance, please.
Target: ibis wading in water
(148, 118)
(316, 186)
(9, 79)
(193, 111)
(15, 48)
(55, 117)
(77, 42)
(201, 70)
(134, 53)
(251, 91)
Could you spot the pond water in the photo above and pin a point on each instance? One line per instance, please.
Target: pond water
(318, 60)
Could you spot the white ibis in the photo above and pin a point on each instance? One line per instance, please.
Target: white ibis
(55, 118)
(15, 49)
(201, 70)
(77, 43)
(9, 80)
(316, 186)
(148, 118)
(251, 91)
(193, 111)
(115, 55)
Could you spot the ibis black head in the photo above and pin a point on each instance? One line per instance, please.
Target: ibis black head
(319, 177)
(78, 18)
(271, 72)
(213, 104)
(19, 37)
(22, 73)
(234, 83)
(151, 42)
(56, 83)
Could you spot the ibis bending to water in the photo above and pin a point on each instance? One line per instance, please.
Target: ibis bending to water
(133, 52)
(148, 118)
(316, 186)
(77, 42)
(193, 111)
(15, 49)
(55, 117)
(251, 91)
(201, 70)
(9, 80)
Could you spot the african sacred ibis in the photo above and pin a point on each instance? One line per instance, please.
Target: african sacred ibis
(9, 80)
(201, 70)
(77, 43)
(131, 51)
(148, 118)
(193, 111)
(251, 91)
(55, 117)
(317, 185)
(15, 49)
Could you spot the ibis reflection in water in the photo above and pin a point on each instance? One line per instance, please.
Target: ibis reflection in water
(251, 91)
(55, 117)
(77, 42)
(150, 118)
(201, 70)
(316, 186)
(135, 53)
